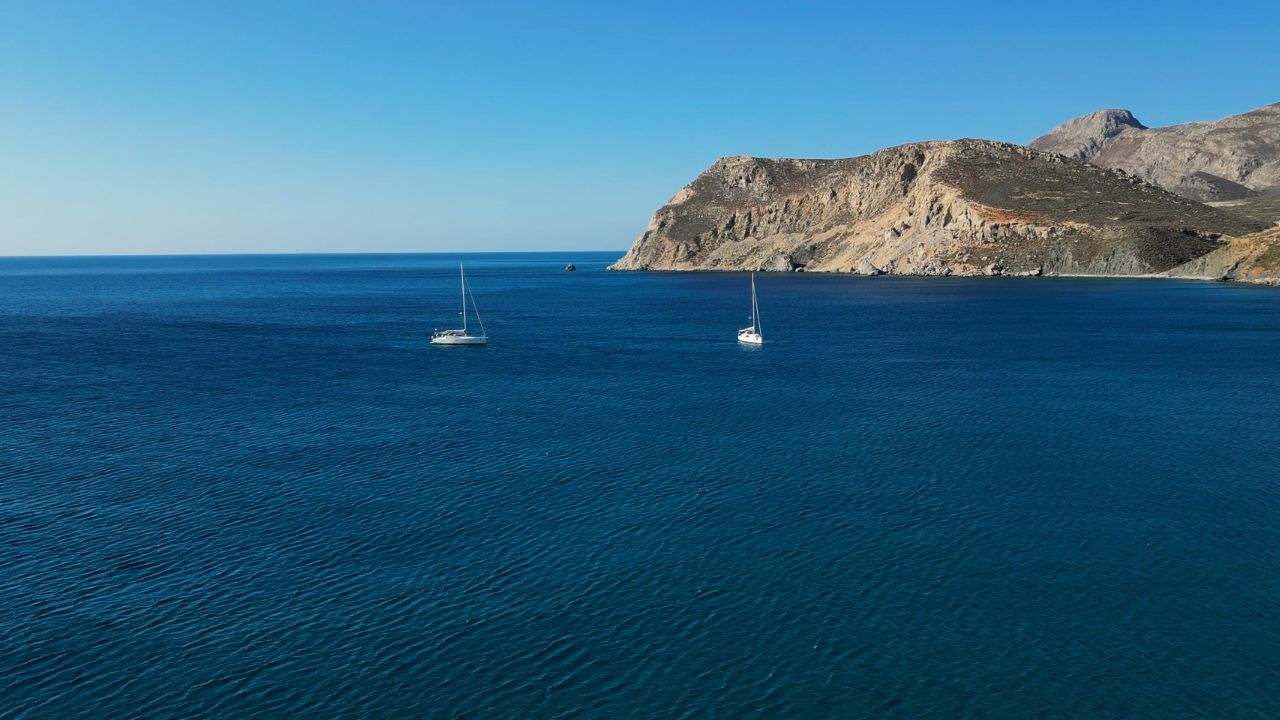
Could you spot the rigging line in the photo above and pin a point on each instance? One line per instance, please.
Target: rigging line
(476, 308)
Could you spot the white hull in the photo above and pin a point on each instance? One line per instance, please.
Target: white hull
(459, 340)
(751, 339)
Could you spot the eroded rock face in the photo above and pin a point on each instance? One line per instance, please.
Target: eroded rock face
(1207, 161)
(966, 207)
(1253, 259)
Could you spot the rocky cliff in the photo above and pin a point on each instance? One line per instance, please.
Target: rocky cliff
(1229, 159)
(965, 207)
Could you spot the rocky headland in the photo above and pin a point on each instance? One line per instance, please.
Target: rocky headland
(963, 207)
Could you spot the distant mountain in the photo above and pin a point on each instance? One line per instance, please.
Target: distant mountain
(1084, 137)
(1229, 159)
(964, 207)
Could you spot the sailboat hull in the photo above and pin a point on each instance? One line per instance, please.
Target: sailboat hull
(750, 338)
(459, 340)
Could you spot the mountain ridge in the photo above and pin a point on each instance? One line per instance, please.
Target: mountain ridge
(1229, 159)
(961, 207)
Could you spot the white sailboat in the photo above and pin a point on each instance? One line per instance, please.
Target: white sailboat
(463, 336)
(753, 335)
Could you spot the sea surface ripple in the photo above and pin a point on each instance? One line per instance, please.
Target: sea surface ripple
(247, 487)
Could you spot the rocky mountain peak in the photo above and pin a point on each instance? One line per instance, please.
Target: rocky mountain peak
(1084, 137)
(1231, 159)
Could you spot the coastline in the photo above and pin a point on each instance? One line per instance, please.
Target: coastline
(1272, 282)
(1250, 260)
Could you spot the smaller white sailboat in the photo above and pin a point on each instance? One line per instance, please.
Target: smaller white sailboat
(463, 336)
(753, 335)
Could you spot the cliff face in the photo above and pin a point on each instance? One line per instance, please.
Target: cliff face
(966, 207)
(1253, 259)
(1209, 161)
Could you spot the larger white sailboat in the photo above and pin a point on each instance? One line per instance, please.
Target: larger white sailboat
(753, 335)
(463, 336)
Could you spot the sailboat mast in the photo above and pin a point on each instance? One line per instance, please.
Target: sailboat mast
(462, 276)
(755, 305)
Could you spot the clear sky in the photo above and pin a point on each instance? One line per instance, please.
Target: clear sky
(177, 127)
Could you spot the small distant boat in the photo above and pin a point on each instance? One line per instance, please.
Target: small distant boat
(463, 336)
(753, 335)
(570, 267)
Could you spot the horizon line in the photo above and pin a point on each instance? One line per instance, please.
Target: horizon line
(338, 252)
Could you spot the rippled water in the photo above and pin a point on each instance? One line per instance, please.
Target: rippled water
(247, 487)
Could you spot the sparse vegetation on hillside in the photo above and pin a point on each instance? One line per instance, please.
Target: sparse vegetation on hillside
(1059, 189)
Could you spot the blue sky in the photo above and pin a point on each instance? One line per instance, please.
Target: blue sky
(175, 127)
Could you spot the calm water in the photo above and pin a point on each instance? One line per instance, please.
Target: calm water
(247, 487)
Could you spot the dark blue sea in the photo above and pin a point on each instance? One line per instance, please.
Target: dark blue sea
(248, 487)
